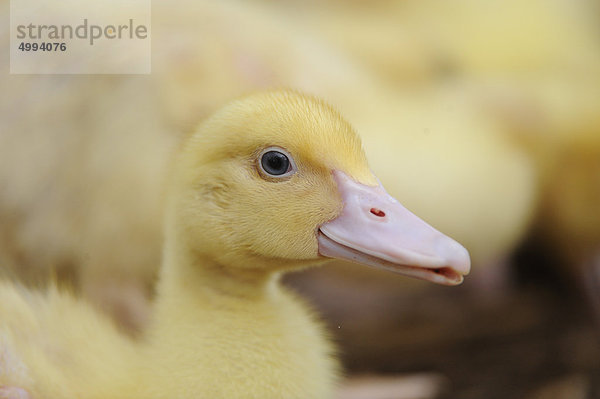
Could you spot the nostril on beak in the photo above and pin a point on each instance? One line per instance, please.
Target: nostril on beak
(378, 212)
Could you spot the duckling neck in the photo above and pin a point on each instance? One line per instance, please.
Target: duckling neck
(220, 326)
(194, 277)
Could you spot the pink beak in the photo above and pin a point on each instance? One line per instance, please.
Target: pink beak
(376, 230)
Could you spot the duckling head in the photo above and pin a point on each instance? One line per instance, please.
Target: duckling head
(279, 180)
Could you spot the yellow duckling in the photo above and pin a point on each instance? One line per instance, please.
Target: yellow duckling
(271, 183)
(77, 224)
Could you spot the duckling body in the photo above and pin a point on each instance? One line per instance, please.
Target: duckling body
(53, 345)
(272, 183)
(207, 344)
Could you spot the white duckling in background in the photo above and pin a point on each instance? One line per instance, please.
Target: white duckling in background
(271, 183)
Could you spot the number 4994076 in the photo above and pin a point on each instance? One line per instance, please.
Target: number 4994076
(44, 46)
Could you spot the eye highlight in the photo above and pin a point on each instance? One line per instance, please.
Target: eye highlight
(276, 162)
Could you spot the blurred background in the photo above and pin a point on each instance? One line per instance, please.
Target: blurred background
(482, 117)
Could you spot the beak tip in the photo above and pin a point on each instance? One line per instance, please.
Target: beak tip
(454, 254)
(461, 260)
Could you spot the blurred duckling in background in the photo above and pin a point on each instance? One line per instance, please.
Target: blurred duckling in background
(81, 186)
(271, 183)
(542, 84)
(427, 42)
(535, 67)
(461, 162)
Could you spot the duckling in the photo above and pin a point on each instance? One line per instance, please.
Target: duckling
(442, 147)
(198, 62)
(273, 182)
(425, 42)
(75, 193)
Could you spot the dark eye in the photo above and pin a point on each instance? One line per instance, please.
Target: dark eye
(276, 162)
